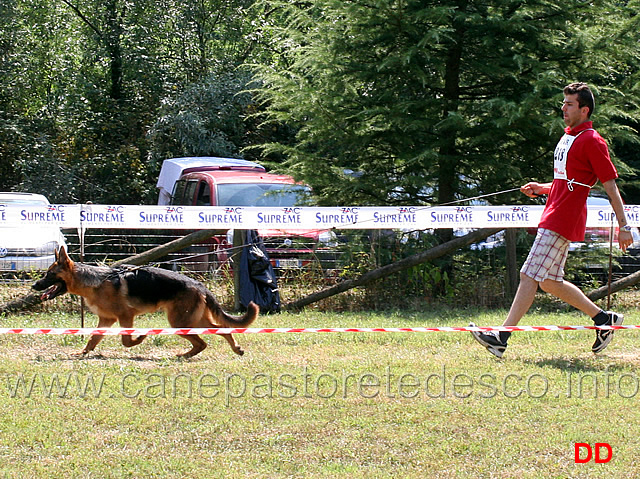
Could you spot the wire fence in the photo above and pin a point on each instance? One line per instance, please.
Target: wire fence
(309, 264)
(211, 257)
(296, 260)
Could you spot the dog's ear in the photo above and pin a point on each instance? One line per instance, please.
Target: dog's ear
(61, 257)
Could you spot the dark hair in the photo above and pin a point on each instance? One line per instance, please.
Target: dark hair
(585, 97)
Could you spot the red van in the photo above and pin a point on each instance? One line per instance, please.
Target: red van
(207, 181)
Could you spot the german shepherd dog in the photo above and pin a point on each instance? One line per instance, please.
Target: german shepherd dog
(121, 294)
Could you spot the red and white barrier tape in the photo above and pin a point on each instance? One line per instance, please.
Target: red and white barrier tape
(185, 331)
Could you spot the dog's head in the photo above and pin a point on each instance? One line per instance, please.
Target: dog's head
(55, 280)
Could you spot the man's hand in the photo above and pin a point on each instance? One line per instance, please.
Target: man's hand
(533, 189)
(625, 239)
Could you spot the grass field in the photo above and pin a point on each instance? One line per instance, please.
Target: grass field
(320, 405)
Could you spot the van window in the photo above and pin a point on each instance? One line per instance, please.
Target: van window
(183, 192)
(204, 194)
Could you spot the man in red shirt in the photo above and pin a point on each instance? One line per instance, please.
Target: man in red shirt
(580, 160)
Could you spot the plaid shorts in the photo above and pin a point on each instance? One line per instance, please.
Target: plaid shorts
(547, 257)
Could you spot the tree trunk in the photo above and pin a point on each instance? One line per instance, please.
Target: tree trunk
(111, 38)
(448, 155)
(616, 286)
(170, 247)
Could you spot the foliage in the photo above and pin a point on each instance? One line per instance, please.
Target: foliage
(214, 117)
(399, 101)
(477, 274)
(368, 101)
(412, 102)
(588, 264)
(82, 83)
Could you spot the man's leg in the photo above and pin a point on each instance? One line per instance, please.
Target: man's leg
(523, 300)
(496, 342)
(570, 294)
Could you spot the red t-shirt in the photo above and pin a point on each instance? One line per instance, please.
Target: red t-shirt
(587, 161)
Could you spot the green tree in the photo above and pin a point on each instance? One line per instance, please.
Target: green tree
(83, 81)
(615, 70)
(30, 47)
(412, 102)
(205, 120)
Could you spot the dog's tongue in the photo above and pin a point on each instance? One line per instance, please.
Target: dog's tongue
(49, 292)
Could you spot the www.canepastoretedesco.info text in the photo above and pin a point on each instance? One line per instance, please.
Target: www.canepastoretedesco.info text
(309, 383)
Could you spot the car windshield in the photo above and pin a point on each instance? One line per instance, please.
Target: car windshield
(262, 194)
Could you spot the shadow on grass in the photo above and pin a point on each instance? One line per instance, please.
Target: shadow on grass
(98, 357)
(578, 365)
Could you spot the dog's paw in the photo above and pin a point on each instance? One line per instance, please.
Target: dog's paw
(79, 354)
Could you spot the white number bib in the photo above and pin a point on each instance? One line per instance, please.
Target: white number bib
(560, 156)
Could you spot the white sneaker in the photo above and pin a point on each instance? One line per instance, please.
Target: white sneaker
(604, 336)
(490, 340)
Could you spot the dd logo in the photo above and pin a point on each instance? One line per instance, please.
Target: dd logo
(589, 454)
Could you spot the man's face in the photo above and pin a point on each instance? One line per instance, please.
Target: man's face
(573, 114)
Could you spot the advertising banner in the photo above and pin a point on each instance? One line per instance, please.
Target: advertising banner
(293, 218)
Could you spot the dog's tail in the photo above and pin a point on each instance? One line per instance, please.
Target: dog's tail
(228, 320)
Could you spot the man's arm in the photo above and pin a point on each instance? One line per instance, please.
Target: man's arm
(625, 238)
(534, 189)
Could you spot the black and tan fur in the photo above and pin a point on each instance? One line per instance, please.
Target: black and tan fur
(121, 294)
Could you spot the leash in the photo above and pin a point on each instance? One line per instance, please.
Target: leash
(130, 268)
(477, 197)
(510, 190)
